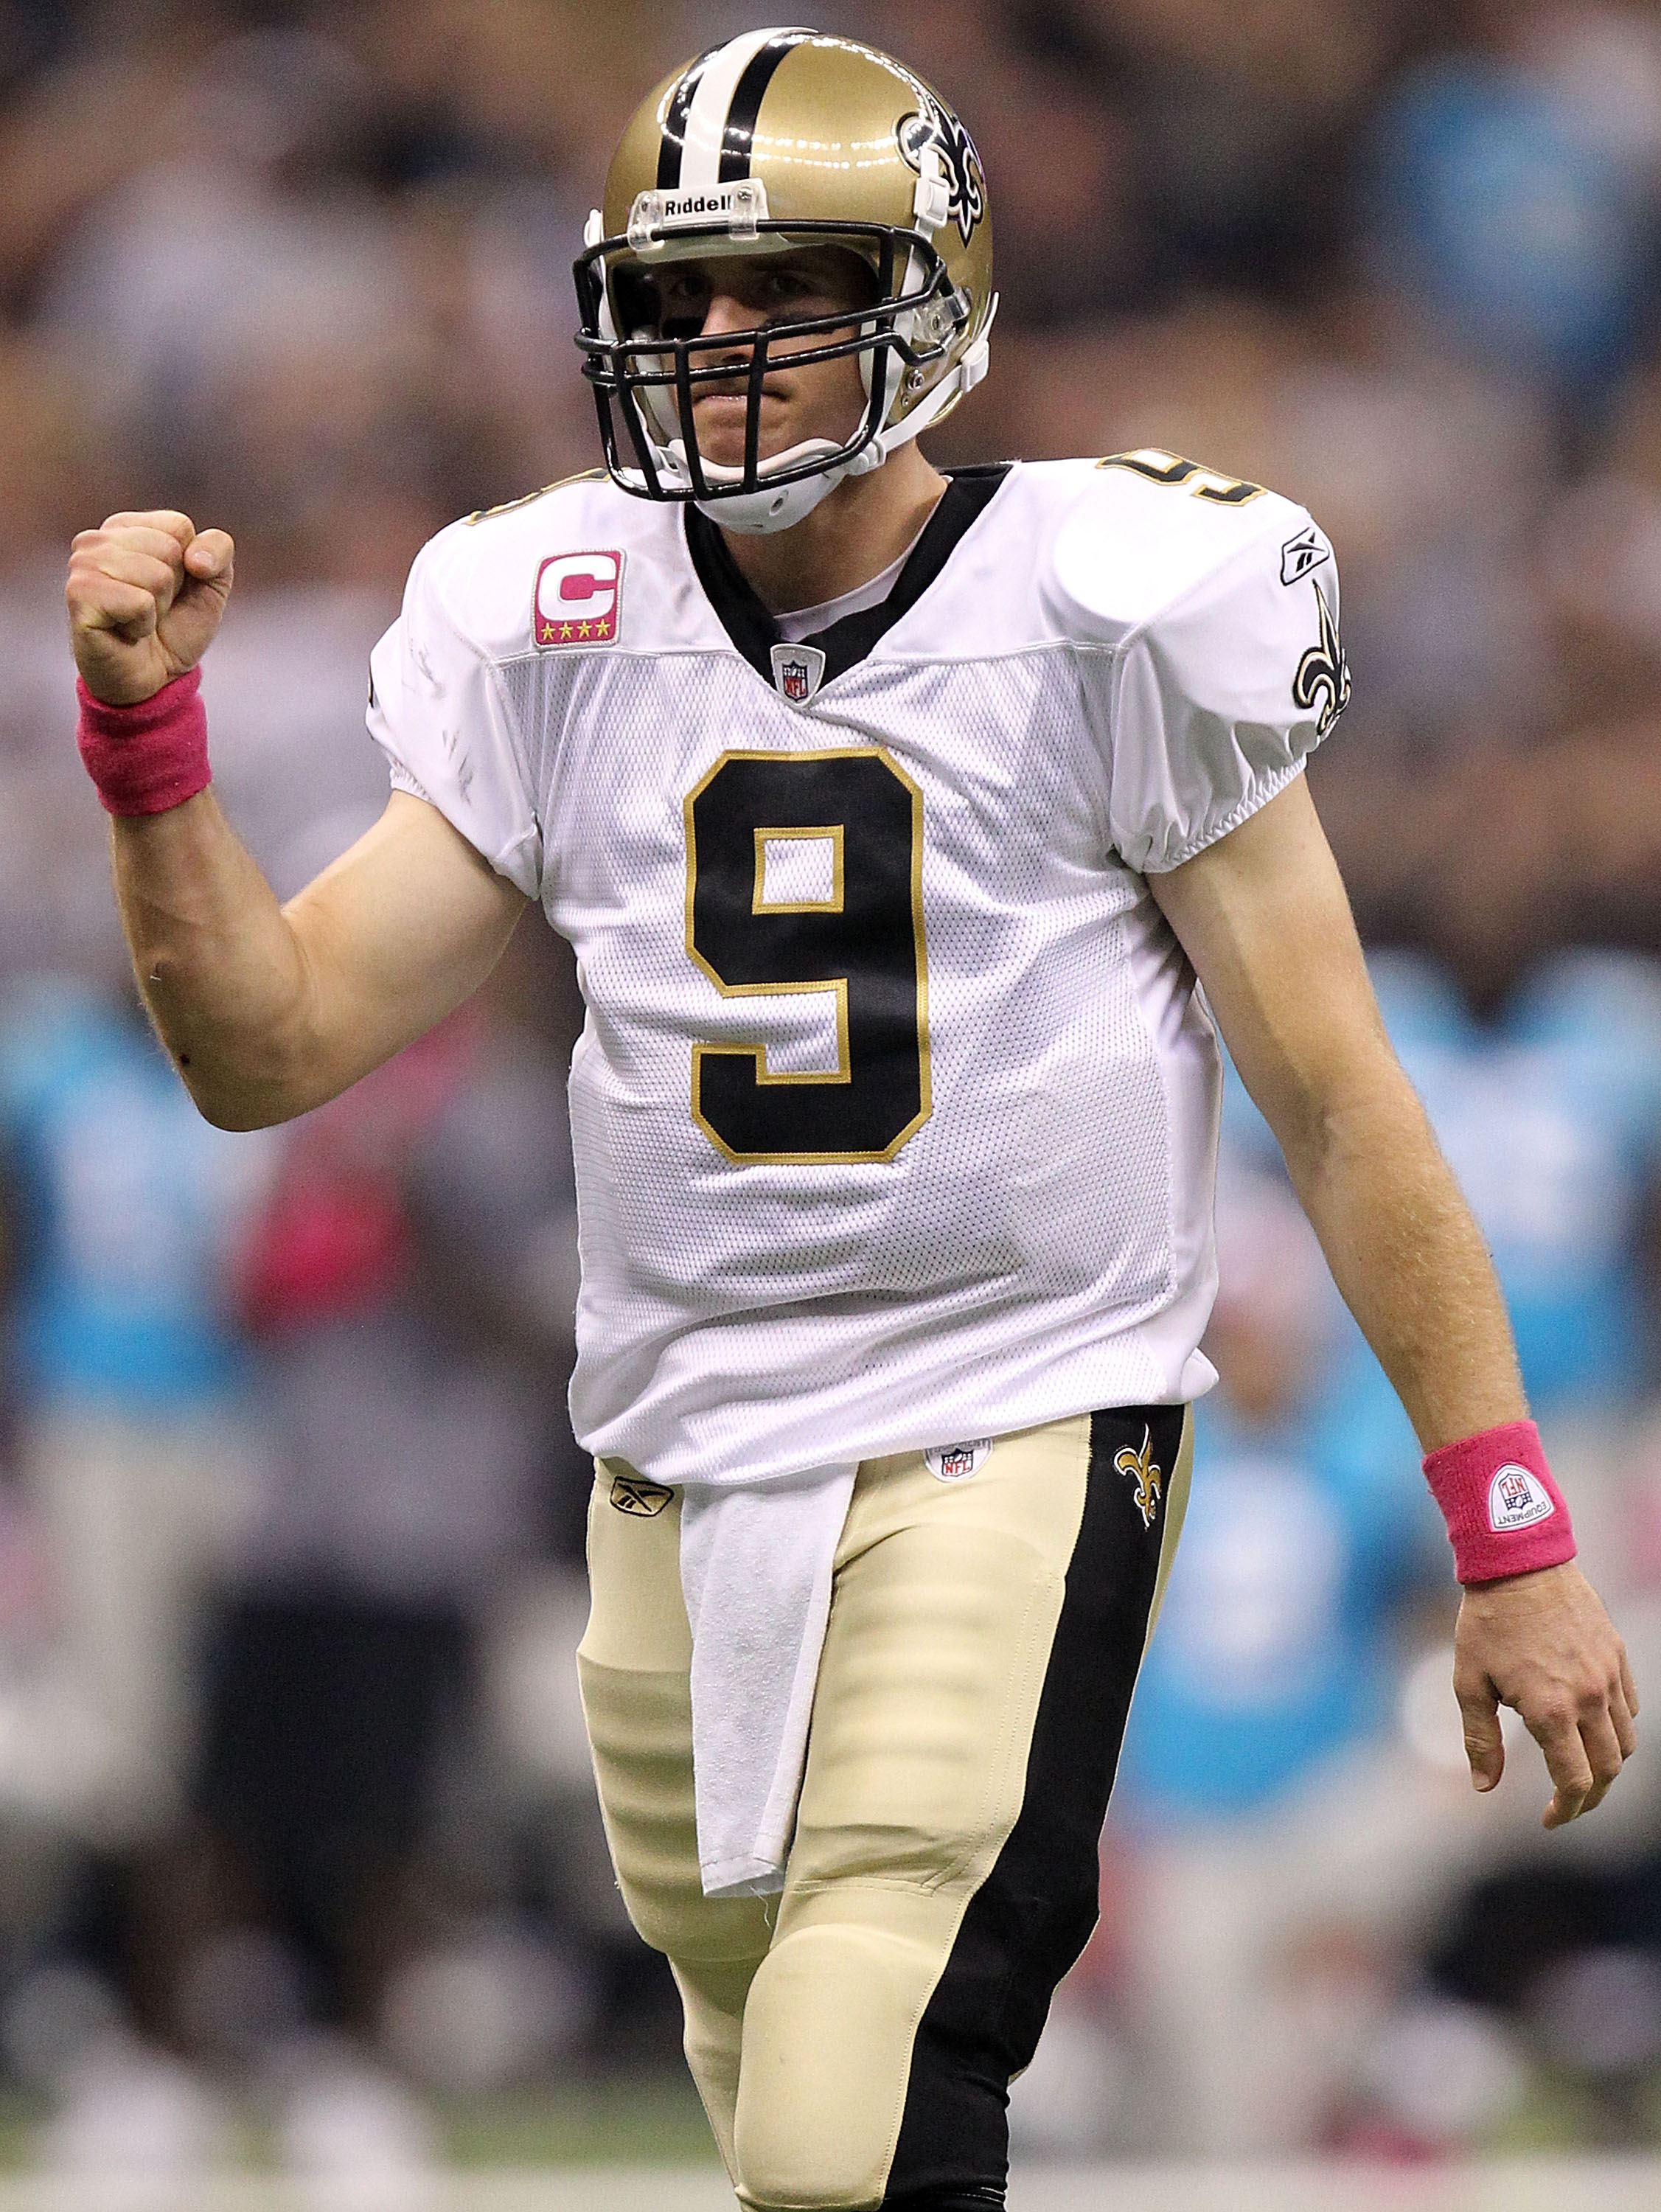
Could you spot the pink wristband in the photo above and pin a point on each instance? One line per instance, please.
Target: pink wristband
(147, 758)
(1505, 1513)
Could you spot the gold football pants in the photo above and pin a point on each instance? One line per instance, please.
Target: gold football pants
(853, 2038)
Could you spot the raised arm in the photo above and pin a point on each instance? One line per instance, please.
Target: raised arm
(266, 1011)
(1262, 916)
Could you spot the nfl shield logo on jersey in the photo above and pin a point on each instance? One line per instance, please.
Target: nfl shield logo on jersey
(957, 1463)
(797, 671)
(579, 600)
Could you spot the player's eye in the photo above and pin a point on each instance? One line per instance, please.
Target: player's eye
(788, 300)
(665, 302)
(785, 290)
(682, 299)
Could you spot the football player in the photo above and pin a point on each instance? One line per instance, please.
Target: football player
(896, 820)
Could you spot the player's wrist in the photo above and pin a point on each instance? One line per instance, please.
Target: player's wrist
(1505, 1513)
(148, 757)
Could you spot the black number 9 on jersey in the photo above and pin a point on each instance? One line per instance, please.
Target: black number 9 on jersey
(804, 873)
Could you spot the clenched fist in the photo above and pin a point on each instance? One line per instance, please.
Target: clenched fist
(145, 596)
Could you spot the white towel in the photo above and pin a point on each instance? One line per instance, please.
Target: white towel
(755, 1568)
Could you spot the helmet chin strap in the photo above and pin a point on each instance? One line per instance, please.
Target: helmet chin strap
(774, 507)
(756, 513)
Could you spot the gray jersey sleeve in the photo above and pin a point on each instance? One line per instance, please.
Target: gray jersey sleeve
(439, 712)
(1220, 695)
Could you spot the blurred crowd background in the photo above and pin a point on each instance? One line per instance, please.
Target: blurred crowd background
(297, 1853)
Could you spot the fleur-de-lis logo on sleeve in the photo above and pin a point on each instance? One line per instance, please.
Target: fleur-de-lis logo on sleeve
(1323, 677)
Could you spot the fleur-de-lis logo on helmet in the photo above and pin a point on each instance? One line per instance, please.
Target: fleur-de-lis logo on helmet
(936, 126)
(1322, 676)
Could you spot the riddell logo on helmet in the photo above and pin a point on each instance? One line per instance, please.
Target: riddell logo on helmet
(685, 204)
(741, 206)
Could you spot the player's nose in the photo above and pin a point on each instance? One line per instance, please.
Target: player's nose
(726, 313)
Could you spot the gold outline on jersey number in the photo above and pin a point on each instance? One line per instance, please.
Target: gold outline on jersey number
(758, 1053)
(818, 833)
(1158, 465)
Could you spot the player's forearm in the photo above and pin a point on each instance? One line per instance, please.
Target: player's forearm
(222, 971)
(1407, 1256)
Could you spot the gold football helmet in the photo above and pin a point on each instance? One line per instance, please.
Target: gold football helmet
(775, 141)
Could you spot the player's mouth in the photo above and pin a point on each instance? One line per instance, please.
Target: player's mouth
(775, 385)
(722, 419)
(725, 398)
(723, 408)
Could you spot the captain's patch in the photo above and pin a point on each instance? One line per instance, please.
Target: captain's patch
(579, 601)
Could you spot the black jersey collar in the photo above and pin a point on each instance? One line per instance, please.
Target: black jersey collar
(968, 492)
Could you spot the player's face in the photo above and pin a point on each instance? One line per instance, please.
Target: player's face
(709, 299)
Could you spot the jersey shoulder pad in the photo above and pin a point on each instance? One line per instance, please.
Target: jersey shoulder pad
(484, 577)
(1148, 528)
(532, 498)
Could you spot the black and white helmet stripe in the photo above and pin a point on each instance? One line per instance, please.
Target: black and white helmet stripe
(675, 124)
(711, 122)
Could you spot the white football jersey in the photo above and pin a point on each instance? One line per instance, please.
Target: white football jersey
(895, 1110)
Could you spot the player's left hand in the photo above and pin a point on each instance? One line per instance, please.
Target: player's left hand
(1543, 1644)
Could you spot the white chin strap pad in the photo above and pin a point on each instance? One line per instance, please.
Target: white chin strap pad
(753, 514)
(772, 507)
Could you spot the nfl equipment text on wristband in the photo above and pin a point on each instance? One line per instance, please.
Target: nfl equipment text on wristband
(148, 757)
(1505, 1513)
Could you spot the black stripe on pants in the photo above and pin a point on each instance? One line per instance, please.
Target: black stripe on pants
(1033, 1916)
